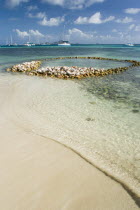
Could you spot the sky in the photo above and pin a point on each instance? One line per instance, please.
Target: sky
(78, 21)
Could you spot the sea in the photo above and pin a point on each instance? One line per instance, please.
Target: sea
(98, 118)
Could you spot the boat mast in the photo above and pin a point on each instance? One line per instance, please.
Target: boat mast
(29, 40)
(11, 39)
(63, 36)
(7, 41)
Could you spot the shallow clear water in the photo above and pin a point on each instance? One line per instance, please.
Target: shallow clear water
(85, 63)
(97, 117)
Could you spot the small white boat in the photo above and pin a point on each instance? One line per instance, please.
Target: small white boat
(28, 44)
(130, 44)
(64, 43)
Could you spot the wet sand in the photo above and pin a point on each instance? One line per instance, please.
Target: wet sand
(37, 173)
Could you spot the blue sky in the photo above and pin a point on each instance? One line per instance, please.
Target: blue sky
(83, 21)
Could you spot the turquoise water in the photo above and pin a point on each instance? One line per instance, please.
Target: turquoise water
(86, 63)
(97, 117)
(107, 87)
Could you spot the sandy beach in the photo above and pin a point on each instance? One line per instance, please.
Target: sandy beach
(37, 173)
(70, 105)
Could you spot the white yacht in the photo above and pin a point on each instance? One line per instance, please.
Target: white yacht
(28, 44)
(64, 43)
(130, 44)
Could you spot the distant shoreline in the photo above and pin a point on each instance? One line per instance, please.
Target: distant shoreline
(72, 45)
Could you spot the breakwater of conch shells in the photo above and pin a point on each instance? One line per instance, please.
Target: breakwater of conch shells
(65, 72)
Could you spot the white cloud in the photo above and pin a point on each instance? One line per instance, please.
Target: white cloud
(132, 11)
(107, 37)
(39, 15)
(79, 34)
(125, 20)
(137, 28)
(23, 34)
(32, 7)
(121, 34)
(132, 26)
(118, 37)
(76, 35)
(94, 19)
(45, 21)
(35, 33)
(55, 2)
(51, 22)
(14, 3)
(73, 4)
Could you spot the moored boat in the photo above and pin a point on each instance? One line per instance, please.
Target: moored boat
(28, 44)
(64, 43)
(130, 44)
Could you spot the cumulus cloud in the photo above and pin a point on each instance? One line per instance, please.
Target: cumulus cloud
(132, 26)
(106, 37)
(76, 35)
(125, 20)
(14, 3)
(132, 11)
(94, 19)
(137, 28)
(79, 34)
(23, 34)
(55, 2)
(39, 15)
(54, 21)
(35, 33)
(51, 22)
(73, 4)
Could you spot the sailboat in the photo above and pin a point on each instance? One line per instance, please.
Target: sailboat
(62, 42)
(29, 44)
(11, 42)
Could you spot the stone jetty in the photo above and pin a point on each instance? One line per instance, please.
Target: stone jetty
(65, 72)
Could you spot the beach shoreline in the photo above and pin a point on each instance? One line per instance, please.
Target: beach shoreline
(40, 173)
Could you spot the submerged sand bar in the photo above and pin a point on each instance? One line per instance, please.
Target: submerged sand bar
(65, 72)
